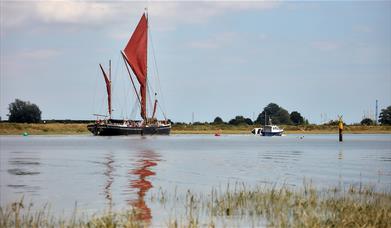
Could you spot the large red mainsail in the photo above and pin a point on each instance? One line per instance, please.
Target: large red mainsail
(108, 88)
(136, 56)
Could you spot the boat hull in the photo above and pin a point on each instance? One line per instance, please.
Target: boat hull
(112, 130)
(271, 133)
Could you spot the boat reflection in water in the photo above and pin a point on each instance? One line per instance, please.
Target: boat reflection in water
(141, 183)
(109, 160)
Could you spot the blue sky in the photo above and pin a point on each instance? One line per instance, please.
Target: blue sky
(213, 58)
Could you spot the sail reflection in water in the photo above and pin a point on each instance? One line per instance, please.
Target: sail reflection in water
(141, 184)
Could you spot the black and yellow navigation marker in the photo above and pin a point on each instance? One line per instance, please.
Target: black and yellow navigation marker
(340, 128)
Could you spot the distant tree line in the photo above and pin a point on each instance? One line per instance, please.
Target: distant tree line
(26, 112)
(279, 115)
(273, 112)
(384, 118)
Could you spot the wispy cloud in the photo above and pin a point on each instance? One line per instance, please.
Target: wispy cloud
(325, 45)
(39, 54)
(362, 29)
(216, 41)
(24, 62)
(263, 36)
(30, 56)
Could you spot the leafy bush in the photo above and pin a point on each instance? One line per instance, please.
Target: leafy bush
(367, 121)
(24, 112)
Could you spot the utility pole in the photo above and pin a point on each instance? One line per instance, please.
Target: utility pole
(376, 113)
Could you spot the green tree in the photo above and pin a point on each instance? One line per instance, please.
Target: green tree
(248, 121)
(367, 121)
(276, 113)
(218, 120)
(240, 120)
(23, 112)
(385, 116)
(296, 118)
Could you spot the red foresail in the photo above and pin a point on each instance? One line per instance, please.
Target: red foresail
(136, 56)
(108, 87)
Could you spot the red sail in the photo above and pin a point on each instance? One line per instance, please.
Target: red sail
(154, 109)
(108, 87)
(136, 56)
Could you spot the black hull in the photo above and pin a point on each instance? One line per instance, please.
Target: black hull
(112, 130)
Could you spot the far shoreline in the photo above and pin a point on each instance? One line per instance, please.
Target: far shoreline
(81, 129)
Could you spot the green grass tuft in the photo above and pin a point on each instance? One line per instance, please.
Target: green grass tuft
(241, 206)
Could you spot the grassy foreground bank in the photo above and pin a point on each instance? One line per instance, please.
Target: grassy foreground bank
(236, 207)
(43, 129)
(78, 128)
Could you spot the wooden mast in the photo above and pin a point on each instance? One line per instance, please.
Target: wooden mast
(111, 91)
(146, 71)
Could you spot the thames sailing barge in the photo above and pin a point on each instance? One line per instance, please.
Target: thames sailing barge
(135, 56)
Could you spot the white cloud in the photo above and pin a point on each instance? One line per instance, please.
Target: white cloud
(72, 12)
(201, 12)
(165, 15)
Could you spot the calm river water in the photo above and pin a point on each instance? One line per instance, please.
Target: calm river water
(122, 171)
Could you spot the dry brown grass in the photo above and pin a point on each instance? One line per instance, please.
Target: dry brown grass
(42, 129)
(75, 129)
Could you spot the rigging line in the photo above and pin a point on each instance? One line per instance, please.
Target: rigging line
(128, 98)
(127, 68)
(115, 76)
(136, 106)
(94, 95)
(125, 90)
(160, 107)
(149, 95)
(102, 102)
(156, 68)
(134, 110)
